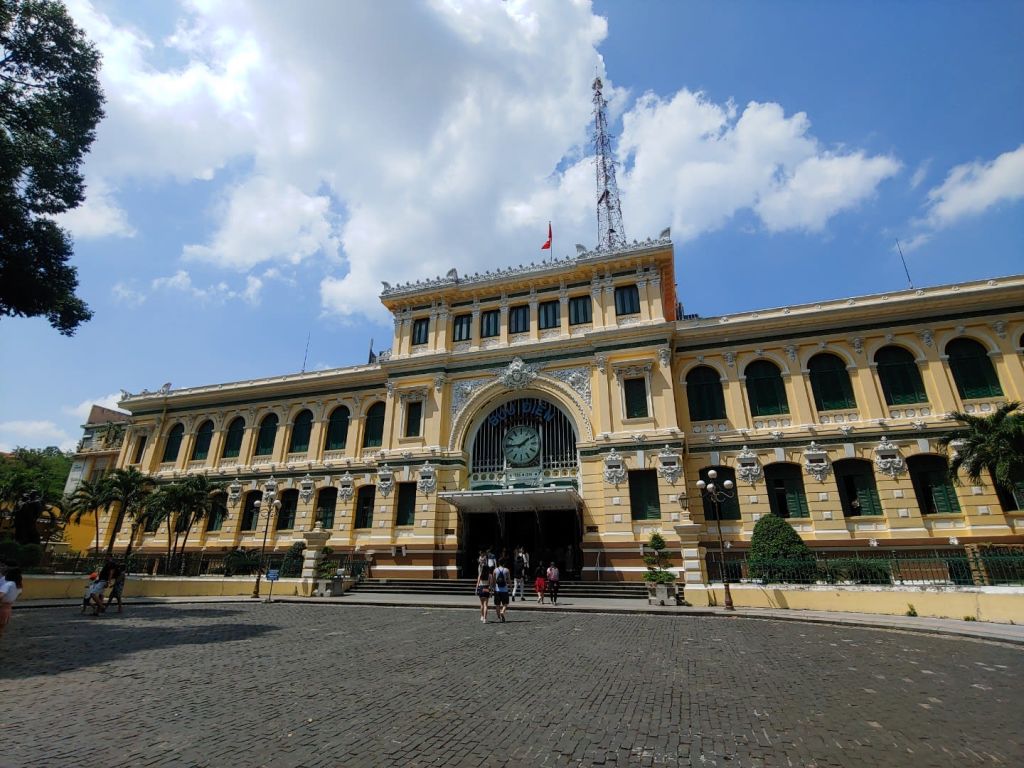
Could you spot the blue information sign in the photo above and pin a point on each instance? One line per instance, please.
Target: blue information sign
(273, 574)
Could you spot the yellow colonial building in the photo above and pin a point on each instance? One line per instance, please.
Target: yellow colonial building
(567, 407)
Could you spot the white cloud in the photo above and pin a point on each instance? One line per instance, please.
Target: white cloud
(217, 293)
(98, 216)
(973, 188)
(125, 294)
(382, 145)
(920, 174)
(81, 411)
(34, 434)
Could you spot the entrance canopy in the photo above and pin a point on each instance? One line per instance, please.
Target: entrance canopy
(515, 500)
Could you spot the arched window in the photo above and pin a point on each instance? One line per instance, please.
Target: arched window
(373, 436)
(204, 435)
(365, 498)
(337, 429)
(218, 512)
(786, 496)
(972, 369)
(286, 512)
(932, 486)
(233, 439)
(300, 433)
(830, 383)
(249, 512)
(173, 444)
(765, 390)
(901, 380)
(268, 431)
(858, 493)
(326, 504)
(730, 507)
(704, 394)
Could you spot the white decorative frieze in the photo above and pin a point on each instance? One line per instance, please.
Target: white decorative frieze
(669, 465)
(385, 480)
(427, 482)
(306, 488)
(748, 467)
(614, 468)
(439, 381)
(664, 356)
(518, 374)
(346, 487)
(816, 462)
(463, 390)
(577, 379)
(888, 459)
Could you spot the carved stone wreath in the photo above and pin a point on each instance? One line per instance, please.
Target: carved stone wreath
(669, 466)
(306, 488)
(346, 487)
(748, 467)
(518, 375)
(385, 480)
(427, 482)
(816, 462)
(888, 459)
(614, 468)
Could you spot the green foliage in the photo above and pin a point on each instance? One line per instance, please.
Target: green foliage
(777, 553)
(17, 555)
(970, 618)
(292, 565)
(994, 443)
(129, 489)
(50, 103)
(241, 563)
(657, 560)
(32, 486)
(857, 570)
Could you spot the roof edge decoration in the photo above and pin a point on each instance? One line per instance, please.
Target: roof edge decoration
(584, 257)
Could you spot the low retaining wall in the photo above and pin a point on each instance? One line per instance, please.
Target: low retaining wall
(999, 604)
(47, 587)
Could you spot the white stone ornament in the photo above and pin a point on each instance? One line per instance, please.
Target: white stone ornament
(614, 468)
(669, 466)
(888, 459)
(816, 462)
(385, 480)
(748, 467)
(346, 487)
(427, 482)
(577, 379)
(306, 488)
(234, 491)
(518, 375)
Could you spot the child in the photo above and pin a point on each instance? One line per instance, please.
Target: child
(539, 584)
(10, 588)
(87, 597)
(118, 589)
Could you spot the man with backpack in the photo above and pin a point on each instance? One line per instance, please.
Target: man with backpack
(501, 589)
(520, 571)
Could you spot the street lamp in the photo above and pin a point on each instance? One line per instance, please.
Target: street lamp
(716, 496)
(271, 504)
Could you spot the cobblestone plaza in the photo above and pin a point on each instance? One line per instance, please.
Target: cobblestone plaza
(305, 685)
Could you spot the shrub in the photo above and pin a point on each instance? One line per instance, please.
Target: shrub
(911, 610)
(241, 563)
(292, 565)
(9, 552)
(777, 553)
(30, 555)
(858, 570)
(657, 559)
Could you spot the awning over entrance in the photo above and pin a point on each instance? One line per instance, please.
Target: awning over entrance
(515, 500)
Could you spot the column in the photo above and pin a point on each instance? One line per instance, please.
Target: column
(503, 338)
(563, 311)
(534, 319)
(474, 327)
(654, 295)
(596, 305)
(216, 447)
(316, 437)
(645, 302)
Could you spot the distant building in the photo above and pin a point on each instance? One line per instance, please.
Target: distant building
(564, 406)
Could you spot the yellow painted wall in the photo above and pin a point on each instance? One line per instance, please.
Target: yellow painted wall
(43, 587)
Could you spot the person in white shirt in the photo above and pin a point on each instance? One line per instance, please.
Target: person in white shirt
(10, 588)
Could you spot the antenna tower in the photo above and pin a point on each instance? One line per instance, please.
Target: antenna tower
(610, 233)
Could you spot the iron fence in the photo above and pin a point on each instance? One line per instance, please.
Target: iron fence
(954, 568)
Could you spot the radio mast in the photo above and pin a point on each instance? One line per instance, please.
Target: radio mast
(610, 234)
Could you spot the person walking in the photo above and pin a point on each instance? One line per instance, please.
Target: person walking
(117, 590)
(520, 570)
(502, 579)
(100, 586)
(484, 582)
(552, 580)
(10, 588)
(539, 584)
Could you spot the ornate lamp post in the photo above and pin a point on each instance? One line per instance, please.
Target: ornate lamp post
(716, 496)
(271, 503)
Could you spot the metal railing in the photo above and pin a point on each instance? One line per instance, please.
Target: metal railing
(957, 568)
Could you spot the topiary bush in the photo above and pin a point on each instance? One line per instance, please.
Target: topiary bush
(777, 553)
(656, 558)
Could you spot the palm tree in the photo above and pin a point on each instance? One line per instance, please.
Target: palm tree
(89, 497)
(160, 506)
(200, 495)
(129, 489)
(994, 443)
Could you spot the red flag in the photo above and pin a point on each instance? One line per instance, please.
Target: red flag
(547, 245)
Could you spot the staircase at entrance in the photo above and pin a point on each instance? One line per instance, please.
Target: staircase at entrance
(567, 589)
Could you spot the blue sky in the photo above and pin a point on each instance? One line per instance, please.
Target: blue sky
(260, 170)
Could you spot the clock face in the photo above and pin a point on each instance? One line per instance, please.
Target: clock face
(522, 444)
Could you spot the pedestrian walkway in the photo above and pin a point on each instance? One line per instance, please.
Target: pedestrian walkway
(980, 630)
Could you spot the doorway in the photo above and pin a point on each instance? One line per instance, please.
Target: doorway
(548, 536)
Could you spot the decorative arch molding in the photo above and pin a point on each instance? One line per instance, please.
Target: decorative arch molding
(361, 408)
(836, 349)
(744, 359)
(489, 396)
(260, 414)
(974, 334)
(892, 340)
(296, 408)
(702, 362)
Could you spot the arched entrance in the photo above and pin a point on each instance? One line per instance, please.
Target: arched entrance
(522, 487)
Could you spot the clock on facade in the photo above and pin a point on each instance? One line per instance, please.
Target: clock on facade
(522, 444)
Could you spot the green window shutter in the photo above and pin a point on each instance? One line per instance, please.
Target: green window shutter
(704, 395)
(337, 430)
(636, 398)
(301, 430)
(644, 500)
(365, 500)
(173, 444)
(267, 433)
(867, 492)
(420, 330)
(519, 319)
(286, 514)
(326, 504)
(830, 383)
(786, 490)
(548, 314)
(900, 377)
(579, 310)
(730, 507)
(413, 416)
(972, 369)
(406, 504)
(855, 479)
(249, 511)
(943, 494)
(373, 437)
(490, 323)
(218, 511)
(201, 449)
(233, 440)
(766, 391)
(140, 448)
(627, 300)
(934, 490)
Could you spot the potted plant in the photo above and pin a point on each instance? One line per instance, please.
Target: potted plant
(661, 586)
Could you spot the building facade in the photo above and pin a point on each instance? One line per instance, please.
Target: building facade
(566, 407)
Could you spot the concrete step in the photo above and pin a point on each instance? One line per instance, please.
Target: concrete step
(568, 589)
